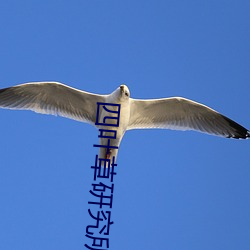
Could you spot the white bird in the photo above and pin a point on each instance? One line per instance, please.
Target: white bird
(167, 113)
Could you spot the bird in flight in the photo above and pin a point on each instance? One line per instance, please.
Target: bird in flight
(175, 113)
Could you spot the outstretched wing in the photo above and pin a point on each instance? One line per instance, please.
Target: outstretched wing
(52, 98)
(182, 114)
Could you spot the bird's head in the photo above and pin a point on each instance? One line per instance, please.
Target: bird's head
(124, 91)
(121, 94)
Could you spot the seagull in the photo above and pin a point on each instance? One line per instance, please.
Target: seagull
(176, 113)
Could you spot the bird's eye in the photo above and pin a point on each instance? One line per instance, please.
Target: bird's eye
(126, 93)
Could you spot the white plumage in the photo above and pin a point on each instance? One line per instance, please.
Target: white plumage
(168, 113)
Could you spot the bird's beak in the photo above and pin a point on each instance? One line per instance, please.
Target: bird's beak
(122, 88)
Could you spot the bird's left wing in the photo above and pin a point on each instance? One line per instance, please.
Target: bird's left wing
(182, 114)
(52, 98)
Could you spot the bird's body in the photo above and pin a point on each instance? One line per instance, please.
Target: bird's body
(114, 98)
(167, 113)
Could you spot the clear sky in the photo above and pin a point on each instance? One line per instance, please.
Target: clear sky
(173, 190)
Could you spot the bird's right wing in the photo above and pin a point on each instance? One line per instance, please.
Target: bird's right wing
(52, 98)
(182, 114)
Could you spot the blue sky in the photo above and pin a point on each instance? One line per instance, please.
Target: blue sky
(173, 190)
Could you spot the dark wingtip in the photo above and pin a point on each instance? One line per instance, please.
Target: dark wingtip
(3, 90)
(239, 131)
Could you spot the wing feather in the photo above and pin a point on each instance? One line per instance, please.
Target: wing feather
(182, 114)
(52, 98)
